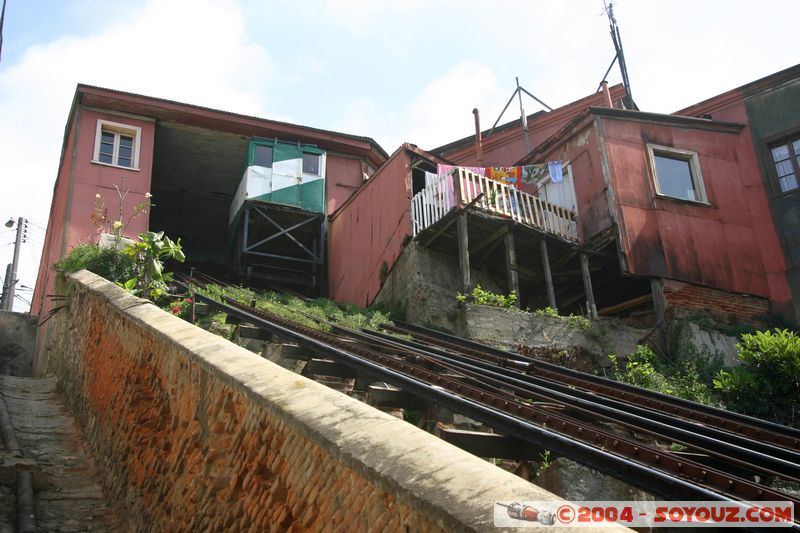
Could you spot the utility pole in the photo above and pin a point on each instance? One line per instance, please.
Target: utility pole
(5, 287)
(620, 55)
(12, 279)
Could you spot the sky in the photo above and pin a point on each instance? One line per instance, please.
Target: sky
(394, 70)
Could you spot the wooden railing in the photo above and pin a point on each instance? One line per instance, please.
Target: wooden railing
(462, 186)
(432, 203)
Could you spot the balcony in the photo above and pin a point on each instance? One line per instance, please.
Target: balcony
(462, 188)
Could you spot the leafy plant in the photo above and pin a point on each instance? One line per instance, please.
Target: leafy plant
(481, 296)
(106, 262)
(682, 378)
(546, 311)
(148, 255)
(768, 382)
(119, 225)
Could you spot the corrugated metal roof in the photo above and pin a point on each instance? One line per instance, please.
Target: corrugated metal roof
(369, 140)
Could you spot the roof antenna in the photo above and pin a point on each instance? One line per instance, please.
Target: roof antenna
(522, 116)
(620, 55)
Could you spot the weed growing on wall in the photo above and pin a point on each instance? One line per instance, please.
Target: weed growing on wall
(483, 297)
(106, 262)
(684, 377)
(318, 314)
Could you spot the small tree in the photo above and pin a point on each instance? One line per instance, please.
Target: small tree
(148, 256)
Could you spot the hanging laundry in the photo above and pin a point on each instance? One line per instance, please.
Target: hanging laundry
(554, 168)
(532, 173)
(508, 175)
(430, 178)
(444, 169)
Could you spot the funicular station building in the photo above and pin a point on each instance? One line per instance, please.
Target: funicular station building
(647, 209)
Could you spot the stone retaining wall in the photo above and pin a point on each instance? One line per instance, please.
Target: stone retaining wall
(194, 433)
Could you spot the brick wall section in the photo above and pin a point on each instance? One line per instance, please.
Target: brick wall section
(197, 434)
(723, 305)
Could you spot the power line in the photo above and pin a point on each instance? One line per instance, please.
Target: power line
(2, 18)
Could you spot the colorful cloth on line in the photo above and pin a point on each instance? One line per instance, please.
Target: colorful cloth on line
(532, 173)
(513, 176)
(444, 169)
(508, 175)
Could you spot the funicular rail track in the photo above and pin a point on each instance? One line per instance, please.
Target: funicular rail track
(572, 420)
(750, 427)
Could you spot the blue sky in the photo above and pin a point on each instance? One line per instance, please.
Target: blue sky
(409, 70)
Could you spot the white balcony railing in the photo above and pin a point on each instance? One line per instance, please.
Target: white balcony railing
(461, 187)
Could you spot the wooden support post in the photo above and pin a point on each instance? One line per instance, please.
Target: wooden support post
(511, 265)
(587, 286)
(659, 307)
(463, 253)
(548, 276)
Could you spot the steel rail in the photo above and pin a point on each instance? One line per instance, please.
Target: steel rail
(744, 450)
(729, 421)
(776, 455)
(735, 454)
(651, 479)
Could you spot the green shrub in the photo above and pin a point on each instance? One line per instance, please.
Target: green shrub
(547, 311)
(483, 297)
(682, 378)
(109, 263)
(768, 382)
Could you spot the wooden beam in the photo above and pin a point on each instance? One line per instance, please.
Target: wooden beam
(429, 240)
(392, 397)
(463, 253)
(487, 254)
(624, 306)
(660, 306)
(511, 266)
(324, 367)
(489, 240)
(548, 277)
(491, 444)
(254, 332)
(587, 286)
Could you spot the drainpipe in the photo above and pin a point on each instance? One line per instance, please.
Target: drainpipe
(478, 138)
(606, 92)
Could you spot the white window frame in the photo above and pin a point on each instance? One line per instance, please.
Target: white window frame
(117, 128)
(690, 157)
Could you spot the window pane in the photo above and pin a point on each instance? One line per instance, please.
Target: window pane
(124, 162)
(779, 153)
(125, 151)
(796, 145)
(788, 183)
(263, 156)
(675, 178)
(105, 158)
(126, 141)
(783, 168)
(106, 148)
(310, 164)
(107, 137)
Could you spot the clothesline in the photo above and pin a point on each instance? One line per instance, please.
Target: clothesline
(513, 176)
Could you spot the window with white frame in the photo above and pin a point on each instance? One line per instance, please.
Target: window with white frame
(676, 173)
(786, 158)
(117, 144)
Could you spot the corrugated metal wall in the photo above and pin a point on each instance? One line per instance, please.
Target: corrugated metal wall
(368, 230)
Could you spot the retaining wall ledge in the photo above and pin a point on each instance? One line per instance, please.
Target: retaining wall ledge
(197, 432)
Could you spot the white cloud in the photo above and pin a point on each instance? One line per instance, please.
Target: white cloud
(189, 50)
(441, 112)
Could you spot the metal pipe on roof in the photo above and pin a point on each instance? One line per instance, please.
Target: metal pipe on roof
(478, 137)
(607, 93)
